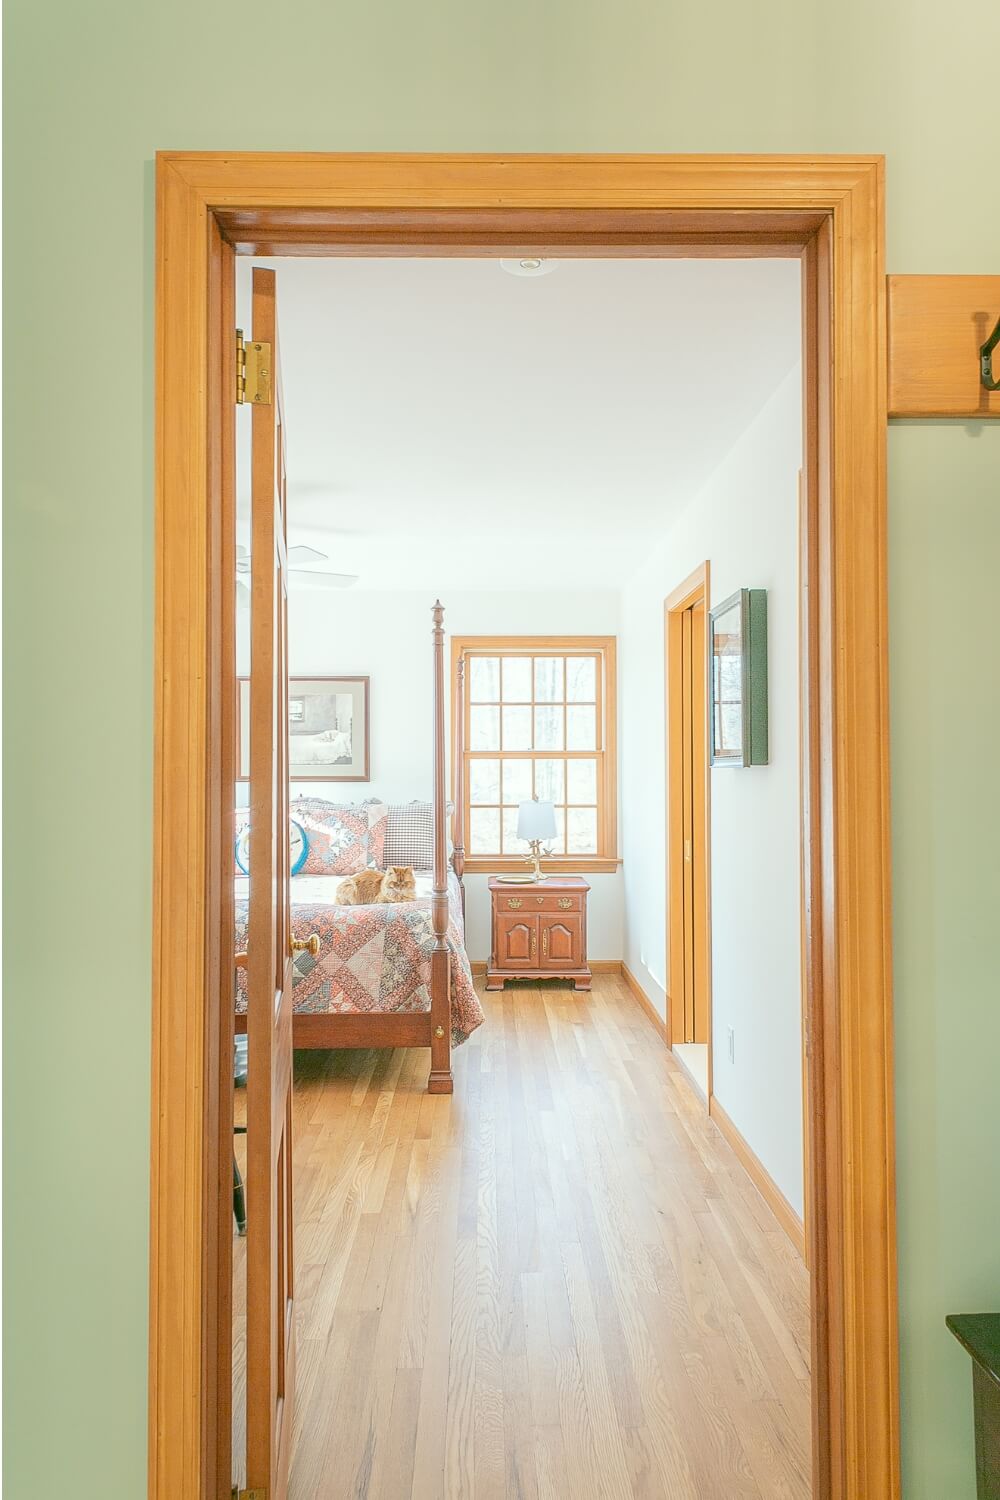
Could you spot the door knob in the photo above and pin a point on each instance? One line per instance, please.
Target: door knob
(306, 945)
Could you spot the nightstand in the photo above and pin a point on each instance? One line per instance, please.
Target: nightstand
(539, 931)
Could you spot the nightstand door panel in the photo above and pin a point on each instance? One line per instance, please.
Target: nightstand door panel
(561, 942)
(517, 941)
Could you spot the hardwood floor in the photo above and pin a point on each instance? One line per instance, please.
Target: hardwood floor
(558, 1282)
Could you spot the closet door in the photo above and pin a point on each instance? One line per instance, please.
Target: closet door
(699, 822)
(694, 887)
(270, 1257)
(687, 762)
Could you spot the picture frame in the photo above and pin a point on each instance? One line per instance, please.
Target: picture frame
(329, 717)
(737, 680)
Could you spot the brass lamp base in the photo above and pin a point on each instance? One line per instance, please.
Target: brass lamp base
(535, 860)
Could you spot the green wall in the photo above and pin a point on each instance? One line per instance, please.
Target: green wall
(92, 91)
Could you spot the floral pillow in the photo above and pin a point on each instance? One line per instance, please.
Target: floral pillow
(343, 838)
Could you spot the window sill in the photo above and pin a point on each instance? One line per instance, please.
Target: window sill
(586, 864)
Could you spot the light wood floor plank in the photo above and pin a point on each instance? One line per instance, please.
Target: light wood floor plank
(556, 1284)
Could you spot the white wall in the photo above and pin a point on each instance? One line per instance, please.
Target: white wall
(745, 522)
(387, 636)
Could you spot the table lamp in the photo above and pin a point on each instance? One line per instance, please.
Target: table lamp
(536, 822)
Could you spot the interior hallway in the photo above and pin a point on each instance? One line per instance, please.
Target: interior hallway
(558, 1282)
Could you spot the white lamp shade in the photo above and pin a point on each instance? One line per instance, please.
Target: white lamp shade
(536, 820)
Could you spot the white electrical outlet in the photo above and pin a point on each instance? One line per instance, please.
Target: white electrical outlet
(731, 1041)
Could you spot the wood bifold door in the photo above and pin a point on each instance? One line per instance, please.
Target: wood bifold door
(270, 1335)
(687, 832)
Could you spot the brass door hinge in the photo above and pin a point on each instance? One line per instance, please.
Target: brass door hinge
(253, 376)
(259, 1494)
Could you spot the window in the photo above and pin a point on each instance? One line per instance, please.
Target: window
(539, 721)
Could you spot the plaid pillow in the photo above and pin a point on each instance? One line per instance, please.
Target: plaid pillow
(343, 839)
(409, 835)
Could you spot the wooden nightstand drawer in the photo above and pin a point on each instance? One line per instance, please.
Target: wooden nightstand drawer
(541, 903)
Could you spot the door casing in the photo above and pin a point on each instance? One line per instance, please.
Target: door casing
(694, 591)
(830, 212)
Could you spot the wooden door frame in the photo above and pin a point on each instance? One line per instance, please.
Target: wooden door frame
(694, 589)
(830, 212)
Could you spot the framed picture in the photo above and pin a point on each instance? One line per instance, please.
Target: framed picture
(327, 729)
(738, 679)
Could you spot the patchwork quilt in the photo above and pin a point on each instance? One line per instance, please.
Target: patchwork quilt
(371, 958)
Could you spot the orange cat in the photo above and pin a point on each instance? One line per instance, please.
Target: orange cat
(378, 887)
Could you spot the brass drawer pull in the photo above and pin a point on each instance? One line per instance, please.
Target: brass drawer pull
(565, 903)
(514, 902)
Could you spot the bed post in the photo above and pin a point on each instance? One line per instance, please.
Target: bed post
(458, 776)
(440, 1081)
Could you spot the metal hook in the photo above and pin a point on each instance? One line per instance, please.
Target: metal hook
(986, 360)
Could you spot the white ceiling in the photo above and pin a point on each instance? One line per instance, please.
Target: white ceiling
(450, 425)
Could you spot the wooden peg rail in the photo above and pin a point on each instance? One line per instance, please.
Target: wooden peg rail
(937, 325)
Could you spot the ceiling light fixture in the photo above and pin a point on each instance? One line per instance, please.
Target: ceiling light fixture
(528, 265)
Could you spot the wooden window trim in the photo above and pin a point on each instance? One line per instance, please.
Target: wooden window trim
(607, 859)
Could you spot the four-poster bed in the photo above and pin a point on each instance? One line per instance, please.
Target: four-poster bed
(389, 975)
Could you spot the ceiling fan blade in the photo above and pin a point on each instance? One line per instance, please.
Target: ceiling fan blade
(299, 578)
(302, 554)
